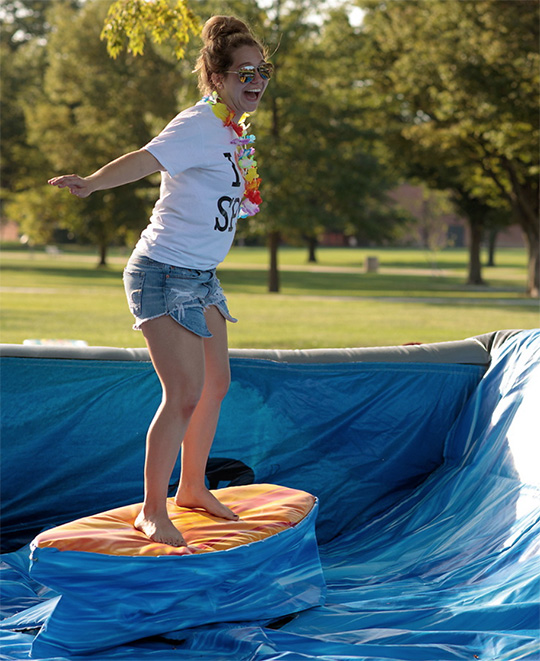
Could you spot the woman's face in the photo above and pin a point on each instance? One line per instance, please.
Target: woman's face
(242, 97)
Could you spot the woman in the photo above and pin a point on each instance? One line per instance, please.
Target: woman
(208, 180)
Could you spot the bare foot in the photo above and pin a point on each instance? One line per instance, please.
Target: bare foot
(159, 529)
(205, 500)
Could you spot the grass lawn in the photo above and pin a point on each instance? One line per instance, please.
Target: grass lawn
(414, 297)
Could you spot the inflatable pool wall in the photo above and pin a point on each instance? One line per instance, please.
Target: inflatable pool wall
(424, 460)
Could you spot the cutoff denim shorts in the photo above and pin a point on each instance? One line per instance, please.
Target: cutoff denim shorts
(155, 290)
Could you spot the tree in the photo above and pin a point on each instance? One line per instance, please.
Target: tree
(430, 166)
(287, 27)
(22, 52)
(458, 82)
(91, 110)
(320, 171)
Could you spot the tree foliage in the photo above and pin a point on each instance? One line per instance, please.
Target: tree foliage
(89, 110)
(24, 27)
(24, 20)
(320, 171)
(456, 85)
(318, 156)
(442, 90)
(130, 22)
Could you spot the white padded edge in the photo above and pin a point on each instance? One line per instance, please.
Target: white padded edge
(474, 350)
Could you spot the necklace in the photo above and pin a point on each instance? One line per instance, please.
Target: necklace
(244, 154)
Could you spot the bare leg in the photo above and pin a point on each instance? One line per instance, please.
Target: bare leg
(192, 491)
(178, 358)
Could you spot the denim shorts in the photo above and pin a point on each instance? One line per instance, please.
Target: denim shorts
(155, 290)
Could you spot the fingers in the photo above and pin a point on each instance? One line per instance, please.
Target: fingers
(67, 180)
(77, 185)
(64, 180)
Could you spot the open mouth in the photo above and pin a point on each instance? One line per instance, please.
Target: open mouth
(253, 94)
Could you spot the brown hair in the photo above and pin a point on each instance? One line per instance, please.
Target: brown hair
(221, 36)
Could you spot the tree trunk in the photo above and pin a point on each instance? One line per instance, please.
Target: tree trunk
(274, 236)
(526, 202)
(532, 239)
(492, 243)
(274, 239)
(312, 244)
(102, 255)
(475, 263)
(533, 267)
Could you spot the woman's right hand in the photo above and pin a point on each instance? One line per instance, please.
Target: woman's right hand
(79, 186)
(129, 167)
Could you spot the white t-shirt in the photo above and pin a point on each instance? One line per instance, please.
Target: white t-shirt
(194, 221)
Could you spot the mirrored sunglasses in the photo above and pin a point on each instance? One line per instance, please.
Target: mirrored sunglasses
(247, 73)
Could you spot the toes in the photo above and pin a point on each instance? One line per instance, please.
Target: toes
(231, 515)
(207, 502)
(160, 533)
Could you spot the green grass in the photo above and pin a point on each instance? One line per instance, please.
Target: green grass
(412, 298)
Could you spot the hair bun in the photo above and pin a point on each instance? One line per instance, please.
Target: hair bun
(221, 27)
(222, 36)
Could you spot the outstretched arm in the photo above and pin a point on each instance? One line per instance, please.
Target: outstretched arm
(130, 167)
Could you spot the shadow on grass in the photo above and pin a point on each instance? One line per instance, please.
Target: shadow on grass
(255, 281)
(337, 284)
(64, 272)
(413, 288)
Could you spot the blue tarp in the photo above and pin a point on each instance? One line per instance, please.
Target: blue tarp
(109, 600)
(427, 475)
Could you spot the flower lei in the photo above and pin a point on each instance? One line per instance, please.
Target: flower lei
(244, 154)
